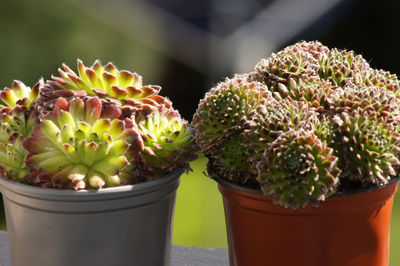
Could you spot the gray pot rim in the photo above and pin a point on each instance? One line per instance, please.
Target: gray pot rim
(92, 194)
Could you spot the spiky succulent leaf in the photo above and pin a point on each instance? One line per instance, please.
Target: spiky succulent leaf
(298, 169)
(166, 142)
(367, 148)
(225, 108)
(268, 122)
(19, 94)
(79, 149)
(109, 82)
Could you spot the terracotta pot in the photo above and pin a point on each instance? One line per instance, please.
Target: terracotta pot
(349, 230)
(126, 225)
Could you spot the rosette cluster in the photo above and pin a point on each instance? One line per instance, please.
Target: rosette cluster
(323, 121)
(100, 128)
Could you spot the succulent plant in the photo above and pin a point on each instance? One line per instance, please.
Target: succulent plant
(20, 94)
(340, 66)
(269, 121)
(100, 128)
(166, 141)
(220, 118)
(323, 122)
(367, 100)
(298, 169)
(313, 91)
(229, 159)
(225, 108)
(377, 78)
(367, 148)
(295, 61)
(79, 149)
(310, 60)
(109, 82)
(15, 125)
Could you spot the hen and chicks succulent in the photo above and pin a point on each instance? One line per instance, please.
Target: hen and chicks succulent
(314, 121)
(99, 128)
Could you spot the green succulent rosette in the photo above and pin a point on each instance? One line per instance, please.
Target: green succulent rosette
(19, 94)
(78, 149)
(16, 123)
(340, 67)
(373, 101)
(228, 159)
(225, 108)
(219, 123)
(269, 121)
(15, 126)
(314, 91)
(367, 147)
(166, 142)
(109, 82)
(294, 62)
(377, 78)
(298, 169)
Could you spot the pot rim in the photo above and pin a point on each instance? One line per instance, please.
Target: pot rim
(258, 191)
(117, 191)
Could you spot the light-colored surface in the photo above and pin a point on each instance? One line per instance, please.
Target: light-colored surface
(4, 250)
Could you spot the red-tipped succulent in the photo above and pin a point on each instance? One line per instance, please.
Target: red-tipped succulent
(107, 81)
(79, 149)
(98, 129)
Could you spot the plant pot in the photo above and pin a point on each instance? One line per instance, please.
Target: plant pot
(126, 225)
(347, 230)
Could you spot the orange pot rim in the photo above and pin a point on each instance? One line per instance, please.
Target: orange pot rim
(354, 200)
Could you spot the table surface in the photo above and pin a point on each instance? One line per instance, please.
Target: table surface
(181, 256)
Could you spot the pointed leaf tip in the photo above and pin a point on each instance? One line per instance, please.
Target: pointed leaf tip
(93, 110)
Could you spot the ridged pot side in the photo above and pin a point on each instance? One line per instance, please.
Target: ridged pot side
(127, 225)
(348, 230)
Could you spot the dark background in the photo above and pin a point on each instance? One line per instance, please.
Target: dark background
(174, 43)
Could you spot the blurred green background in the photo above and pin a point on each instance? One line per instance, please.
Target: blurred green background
(187, 47)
